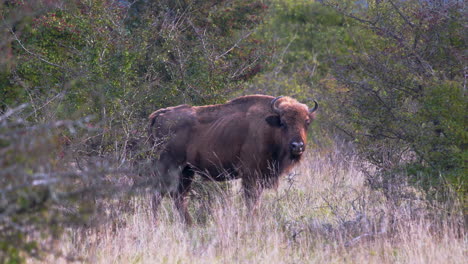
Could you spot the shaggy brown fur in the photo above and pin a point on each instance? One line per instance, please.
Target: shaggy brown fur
(245, 138)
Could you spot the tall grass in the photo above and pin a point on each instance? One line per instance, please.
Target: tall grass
(322, 213)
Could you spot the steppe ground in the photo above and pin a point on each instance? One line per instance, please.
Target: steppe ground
(322, 213)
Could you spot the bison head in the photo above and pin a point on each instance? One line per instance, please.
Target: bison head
(293, 119)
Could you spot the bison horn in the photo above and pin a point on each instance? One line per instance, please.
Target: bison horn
(273, 104)
(315, 107)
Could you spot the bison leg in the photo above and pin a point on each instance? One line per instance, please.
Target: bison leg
(252, 191)
(165, 179)
(180, 196)
(155, 202)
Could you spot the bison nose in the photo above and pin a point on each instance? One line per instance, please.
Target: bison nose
(297, 148)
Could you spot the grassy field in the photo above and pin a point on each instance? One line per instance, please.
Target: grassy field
(322, 213)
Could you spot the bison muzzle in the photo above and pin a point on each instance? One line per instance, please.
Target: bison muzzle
(256, 138)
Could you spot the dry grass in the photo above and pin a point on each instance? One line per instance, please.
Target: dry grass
(323, 213)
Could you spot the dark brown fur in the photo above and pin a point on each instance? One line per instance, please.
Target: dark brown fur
(243, 138)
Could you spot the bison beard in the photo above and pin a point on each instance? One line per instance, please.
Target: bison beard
(256, 138)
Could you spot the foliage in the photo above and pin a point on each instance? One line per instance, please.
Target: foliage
(115, 61)
(390, 76)
(308, 39)
(36, 189)
(404, 95)
(103, 53)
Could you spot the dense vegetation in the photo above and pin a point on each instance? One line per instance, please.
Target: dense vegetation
(78, 79)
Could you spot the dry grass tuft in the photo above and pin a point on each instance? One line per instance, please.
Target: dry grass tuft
(323, 213)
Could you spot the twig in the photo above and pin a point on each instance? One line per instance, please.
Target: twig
(283, 53)
(10, 112)
(31, 53)
(234, 46)
(401, 14)
(357, 239)
(58, 95)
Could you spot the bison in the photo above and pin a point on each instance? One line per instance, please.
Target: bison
(255, 138)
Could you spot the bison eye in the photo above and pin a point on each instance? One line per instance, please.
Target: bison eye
(307, 122)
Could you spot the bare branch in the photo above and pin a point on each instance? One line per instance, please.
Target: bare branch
(236, 45)
(31, 53)
(10, 112)
(401, 14)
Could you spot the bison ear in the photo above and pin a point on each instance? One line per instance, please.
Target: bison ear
(273, 121)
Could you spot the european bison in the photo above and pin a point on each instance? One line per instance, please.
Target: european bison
(256, 138)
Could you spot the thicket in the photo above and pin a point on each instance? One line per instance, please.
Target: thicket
(78, 79)
(77, 82)
(390, 76)
(403, 93)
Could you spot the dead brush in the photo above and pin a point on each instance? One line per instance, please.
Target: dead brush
(323, 212)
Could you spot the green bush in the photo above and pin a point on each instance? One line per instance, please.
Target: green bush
(114, 61)
(403, 98)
